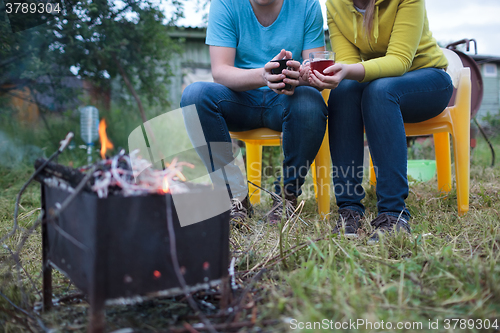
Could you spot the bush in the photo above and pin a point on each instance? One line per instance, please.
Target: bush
(491, 123)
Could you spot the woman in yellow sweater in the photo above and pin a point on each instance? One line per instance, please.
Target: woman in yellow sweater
(389, 70)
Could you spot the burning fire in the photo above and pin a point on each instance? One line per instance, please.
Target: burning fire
(171, 168)
(105, 143)
(165, 186)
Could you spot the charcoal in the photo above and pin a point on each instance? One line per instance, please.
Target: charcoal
(71, 176)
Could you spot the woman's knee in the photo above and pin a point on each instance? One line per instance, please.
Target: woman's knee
(379, 90)
(346, 96)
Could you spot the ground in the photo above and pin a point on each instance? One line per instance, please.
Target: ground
(445, 277)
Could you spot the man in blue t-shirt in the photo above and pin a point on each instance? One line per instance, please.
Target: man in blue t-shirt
(244, 36)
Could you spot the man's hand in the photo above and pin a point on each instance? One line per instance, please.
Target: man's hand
(277, 82)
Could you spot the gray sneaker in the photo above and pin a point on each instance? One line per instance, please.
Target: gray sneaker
(348, 223)
(388, 224)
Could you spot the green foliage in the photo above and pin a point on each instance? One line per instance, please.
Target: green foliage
(99, 37)
(272, 159)
(421, 149)
(21, 53)
(100, 41)
(21, 144)
(492, 123)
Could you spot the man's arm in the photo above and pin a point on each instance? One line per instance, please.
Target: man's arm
(238, 79)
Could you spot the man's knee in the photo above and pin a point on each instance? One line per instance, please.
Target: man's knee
(192, 93)
(308, 102)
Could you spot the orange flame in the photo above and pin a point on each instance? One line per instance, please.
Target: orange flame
(165, 187)
(105, 143)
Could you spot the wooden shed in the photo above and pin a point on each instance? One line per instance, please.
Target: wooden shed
(192, 65)
(490, 72)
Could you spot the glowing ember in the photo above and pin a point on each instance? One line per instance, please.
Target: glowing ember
(157, 274)
(180, 175)
(105, 143)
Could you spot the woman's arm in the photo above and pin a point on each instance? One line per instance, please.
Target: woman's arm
(345, 51)
(405, 38)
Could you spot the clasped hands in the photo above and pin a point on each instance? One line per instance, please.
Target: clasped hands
(291, 76)
(301, 74)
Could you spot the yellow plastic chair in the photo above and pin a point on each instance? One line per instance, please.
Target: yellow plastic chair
(255, 139)
(454, 120)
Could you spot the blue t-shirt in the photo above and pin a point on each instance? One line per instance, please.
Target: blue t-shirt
(232, 23)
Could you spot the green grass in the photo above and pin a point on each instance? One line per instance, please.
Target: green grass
(448, 269)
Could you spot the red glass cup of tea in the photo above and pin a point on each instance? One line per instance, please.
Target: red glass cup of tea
(321, 60)
(279, 69)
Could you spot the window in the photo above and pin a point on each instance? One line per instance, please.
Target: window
(490, 70)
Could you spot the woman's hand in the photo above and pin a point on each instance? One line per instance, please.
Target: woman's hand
(320, 81)
(340, 72)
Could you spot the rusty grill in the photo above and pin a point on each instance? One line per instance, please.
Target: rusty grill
(118, 248)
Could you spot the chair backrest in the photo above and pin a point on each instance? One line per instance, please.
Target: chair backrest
(454, 65)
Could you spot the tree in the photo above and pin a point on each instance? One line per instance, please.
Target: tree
(21, 52)
(101, 40)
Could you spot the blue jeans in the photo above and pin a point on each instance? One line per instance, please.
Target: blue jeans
(301, 117)
(380, 107)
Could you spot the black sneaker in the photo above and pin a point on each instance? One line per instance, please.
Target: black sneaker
(276, 213)
(388, 224)
(240, 210)
(348, 223)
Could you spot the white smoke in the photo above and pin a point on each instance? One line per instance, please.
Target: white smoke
(14, 152)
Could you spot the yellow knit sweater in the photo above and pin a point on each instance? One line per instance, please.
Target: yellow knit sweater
(401, 40)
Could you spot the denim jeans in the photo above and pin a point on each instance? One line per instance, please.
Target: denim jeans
(380, 107)
(301, 117)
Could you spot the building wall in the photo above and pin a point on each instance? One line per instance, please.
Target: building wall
(491, 84)
(192, 65)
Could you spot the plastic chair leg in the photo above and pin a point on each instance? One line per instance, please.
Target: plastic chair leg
(315, 179)
(461, 141)
(373, 177)
(321, 174)
(462, 160)
(443, 161)
(254, 171)
(461, 150)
